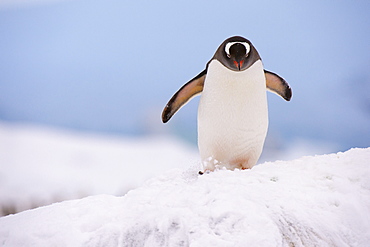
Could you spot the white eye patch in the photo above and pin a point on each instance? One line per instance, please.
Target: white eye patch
(228, 45)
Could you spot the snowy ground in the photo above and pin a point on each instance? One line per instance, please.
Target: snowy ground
(311, 201)
(40, 166)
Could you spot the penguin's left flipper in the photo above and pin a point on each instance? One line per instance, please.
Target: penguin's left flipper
(278, 85)
(183, 95)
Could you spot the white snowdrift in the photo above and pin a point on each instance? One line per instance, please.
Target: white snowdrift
(40, 166)
(312, 201)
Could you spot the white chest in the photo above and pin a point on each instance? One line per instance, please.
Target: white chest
(232, 114)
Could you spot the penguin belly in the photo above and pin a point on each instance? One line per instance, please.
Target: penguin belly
(232, 117)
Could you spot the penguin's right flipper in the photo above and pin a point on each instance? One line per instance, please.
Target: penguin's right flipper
(183, 95)
(278, 85)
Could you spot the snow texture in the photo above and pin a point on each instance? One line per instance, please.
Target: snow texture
(39, 166)
(311, 201)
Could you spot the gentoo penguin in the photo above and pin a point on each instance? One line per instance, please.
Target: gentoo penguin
(232, 112)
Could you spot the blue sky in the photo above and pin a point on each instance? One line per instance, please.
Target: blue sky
(111, 66)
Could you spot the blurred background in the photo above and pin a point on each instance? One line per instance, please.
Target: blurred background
(93, 70)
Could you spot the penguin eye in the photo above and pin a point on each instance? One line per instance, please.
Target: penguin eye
(227, 49)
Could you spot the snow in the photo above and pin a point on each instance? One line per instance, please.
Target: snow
(39, 166)
(311, 201)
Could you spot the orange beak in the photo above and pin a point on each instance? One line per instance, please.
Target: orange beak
(239, 64)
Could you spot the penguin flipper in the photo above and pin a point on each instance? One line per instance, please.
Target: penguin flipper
(278, 85)
(183, 95)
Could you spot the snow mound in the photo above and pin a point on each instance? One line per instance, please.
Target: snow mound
(312, 201)
(40, 166)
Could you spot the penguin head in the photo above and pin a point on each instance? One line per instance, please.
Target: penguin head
(237, 53)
